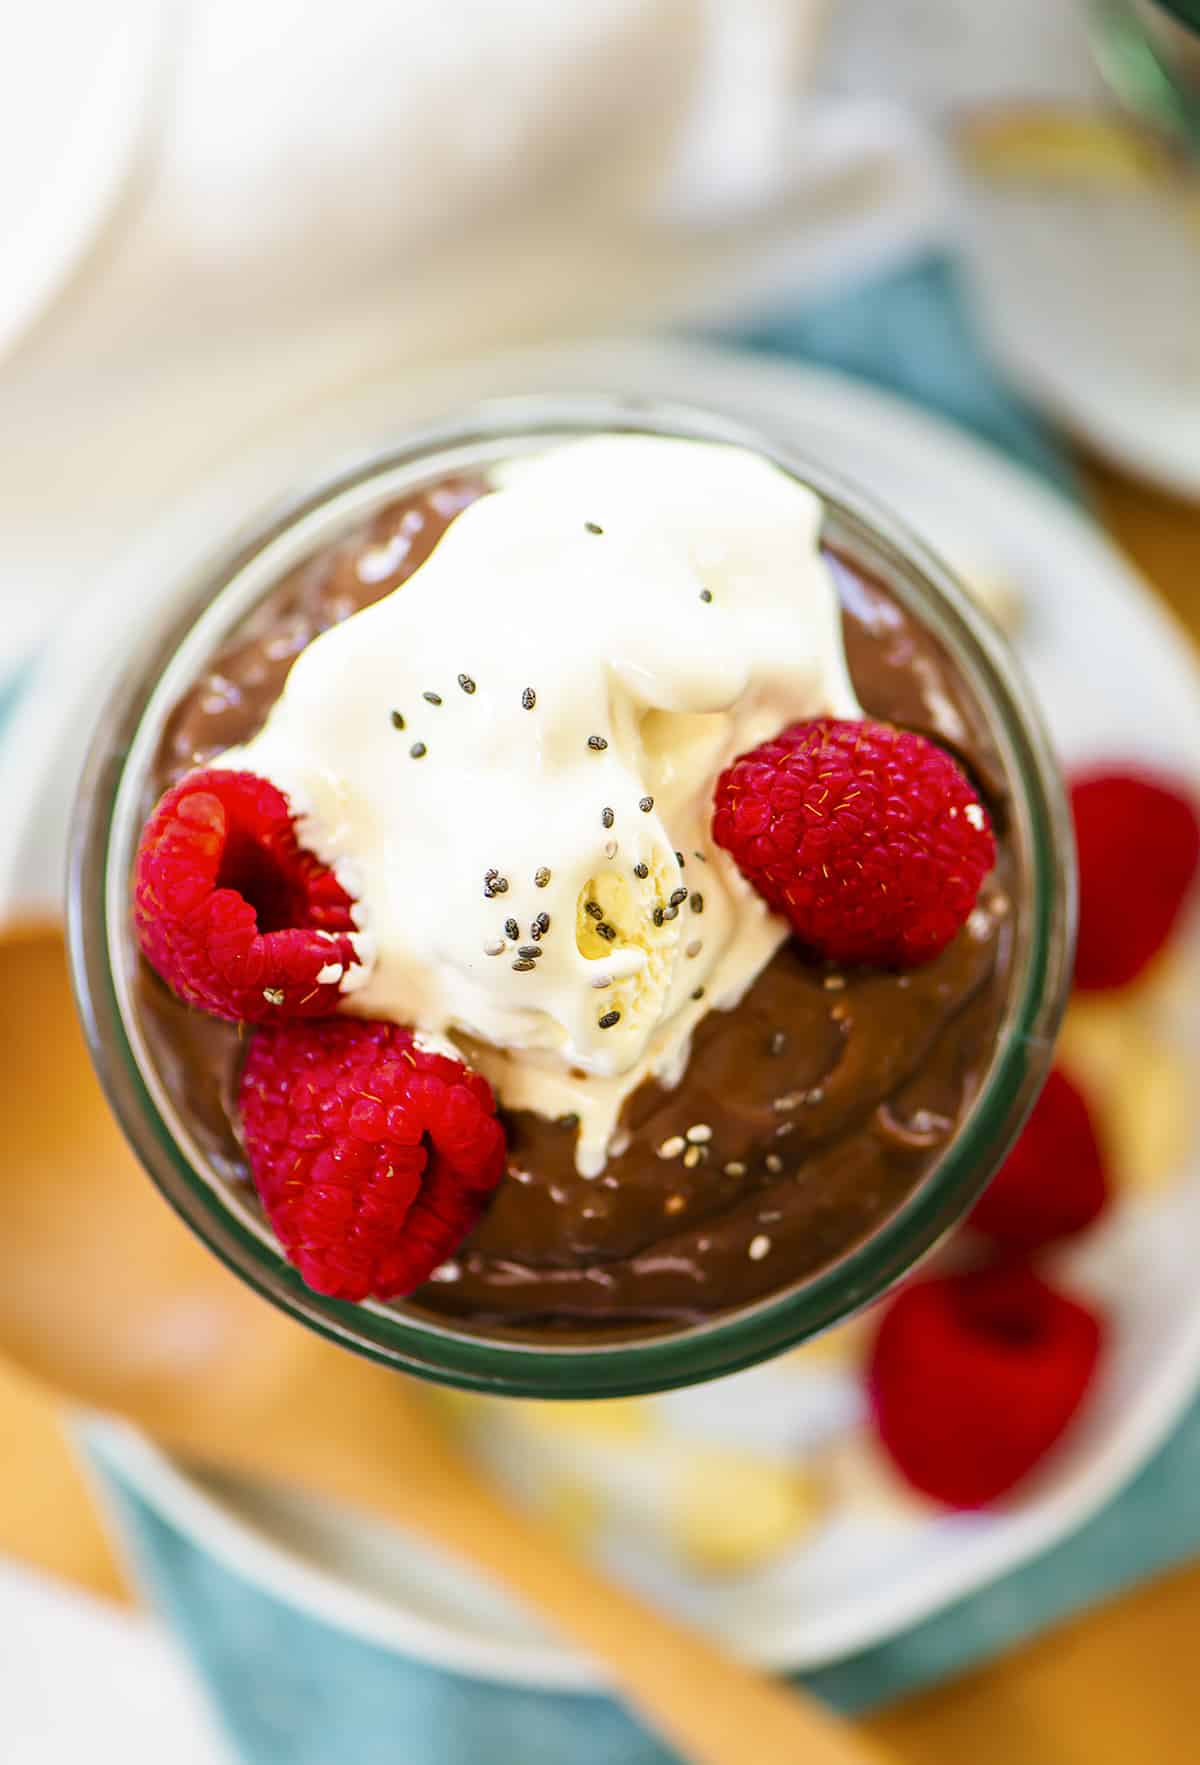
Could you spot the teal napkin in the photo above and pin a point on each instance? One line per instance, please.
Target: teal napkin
(293, 1691)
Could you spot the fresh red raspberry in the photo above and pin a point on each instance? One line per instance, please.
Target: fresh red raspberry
(869, 840)
(372, 1157)
(1137, 839)
(230, 909)
(974, 1376)
(1054, 1182)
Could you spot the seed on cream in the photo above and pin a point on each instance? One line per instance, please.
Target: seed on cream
(759, 1246)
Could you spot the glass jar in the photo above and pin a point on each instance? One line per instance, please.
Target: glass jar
(113, 802)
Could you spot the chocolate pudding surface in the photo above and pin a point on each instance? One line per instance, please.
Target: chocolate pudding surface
(807, 1113)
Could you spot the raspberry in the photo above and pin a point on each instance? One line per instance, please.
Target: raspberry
(869, 840)
(1054, 1182)
(372, 1157)
(973, 1377)
(1137, 838)
(231, 911)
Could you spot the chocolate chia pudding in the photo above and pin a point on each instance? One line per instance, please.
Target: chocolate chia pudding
(803, 1113)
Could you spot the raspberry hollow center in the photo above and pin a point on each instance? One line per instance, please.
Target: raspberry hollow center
(262, 880)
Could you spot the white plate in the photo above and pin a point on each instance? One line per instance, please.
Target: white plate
(1089, 298)
(73, 102)
(1118, 678)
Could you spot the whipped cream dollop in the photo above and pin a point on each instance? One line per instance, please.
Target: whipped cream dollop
(509, 761)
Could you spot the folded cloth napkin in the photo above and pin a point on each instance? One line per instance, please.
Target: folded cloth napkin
(355, 184)
(294, 1691)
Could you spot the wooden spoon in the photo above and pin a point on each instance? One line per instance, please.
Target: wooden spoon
(105, 1296)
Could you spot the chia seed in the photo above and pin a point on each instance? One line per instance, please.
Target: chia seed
(607, 817)
(591, 527)
(530, 952)
(418, 750)
(608, 1020)
(397, 720)
(541, 877)
(529, 698)
(432, 698)
(697, 900)
(706, 595)
(523, 965)
(678, 895)
(597, 743)
(645, 804)
(641, 871)
(512, 929)
(467, 684)
(540, 926)
(607, 932)
(593, 909)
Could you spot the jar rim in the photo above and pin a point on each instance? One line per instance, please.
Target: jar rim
(102, 947)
